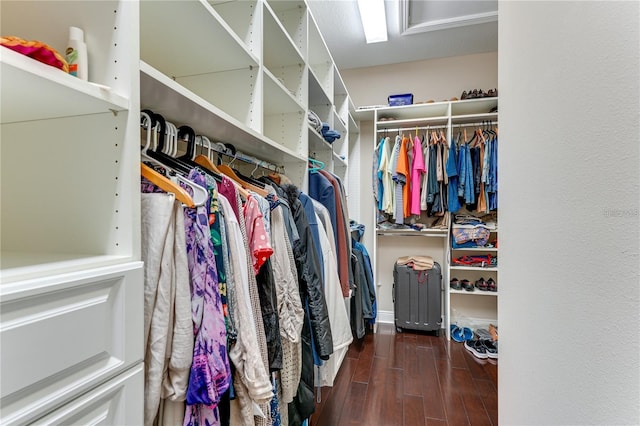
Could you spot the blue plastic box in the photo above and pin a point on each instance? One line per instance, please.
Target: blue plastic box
(402, 99)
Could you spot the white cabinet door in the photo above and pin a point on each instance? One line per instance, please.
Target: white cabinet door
(117, 402)
(63, 335)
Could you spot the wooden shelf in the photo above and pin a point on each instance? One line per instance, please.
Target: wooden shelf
(473, 106)
(474, 293)
(163, 95)
(472, 268)
(491, 249)
(170, 30)
(32, 90)
(412, 233)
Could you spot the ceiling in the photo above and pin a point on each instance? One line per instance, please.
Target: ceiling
(417, 30)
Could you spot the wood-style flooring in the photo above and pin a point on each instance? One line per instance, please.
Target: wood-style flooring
(410, 379)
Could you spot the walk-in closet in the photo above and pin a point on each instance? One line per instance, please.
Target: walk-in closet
(239, 212)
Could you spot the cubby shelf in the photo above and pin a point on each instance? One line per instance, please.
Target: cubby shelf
(25, 80)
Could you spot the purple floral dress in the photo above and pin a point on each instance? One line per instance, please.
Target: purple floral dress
(210, 373)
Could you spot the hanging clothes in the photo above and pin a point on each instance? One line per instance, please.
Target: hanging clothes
(453, 204)
(251, 379)
(386, 175)
(210, 371)
(290, 311)
(417, 170)
(168, 330)
(369, 310)
(337, 311)
(424, 187)
(342, 237)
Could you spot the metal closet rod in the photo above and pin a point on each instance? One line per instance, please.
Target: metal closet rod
(443, 126)
(479, 123)
(218, 147)
(401, 129)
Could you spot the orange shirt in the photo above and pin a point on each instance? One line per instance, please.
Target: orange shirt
(403, 169)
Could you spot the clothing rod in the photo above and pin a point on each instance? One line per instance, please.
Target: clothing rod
(478, 124)
(413, 128)
(221, 149)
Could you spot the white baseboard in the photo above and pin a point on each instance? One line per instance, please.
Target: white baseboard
(386, 317)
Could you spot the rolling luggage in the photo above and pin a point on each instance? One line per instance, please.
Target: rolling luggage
(417, 298)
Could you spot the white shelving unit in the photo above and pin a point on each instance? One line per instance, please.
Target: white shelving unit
(71, 279)
(243, 72)
(475, 308)
(251, 91)
(391, 244)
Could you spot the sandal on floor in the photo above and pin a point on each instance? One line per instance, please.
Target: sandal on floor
(460, 334)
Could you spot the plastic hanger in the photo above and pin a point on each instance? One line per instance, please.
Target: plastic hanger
(188, 158)
(163, 182)
(315, 165)
(158, 152)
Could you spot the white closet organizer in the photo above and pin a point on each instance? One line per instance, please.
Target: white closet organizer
(242, 72)
(472, 308)
(245, 73)
(391, 244)
(71, 280)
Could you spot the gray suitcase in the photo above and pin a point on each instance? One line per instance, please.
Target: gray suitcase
(417, 298)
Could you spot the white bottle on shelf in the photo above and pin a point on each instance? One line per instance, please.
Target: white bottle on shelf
(76, 54)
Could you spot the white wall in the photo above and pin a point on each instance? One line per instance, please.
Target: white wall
(437, 79)
(569, 304)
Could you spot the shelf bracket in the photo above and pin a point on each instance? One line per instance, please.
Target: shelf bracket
(114, 112)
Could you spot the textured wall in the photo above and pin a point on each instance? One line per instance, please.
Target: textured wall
(569, 299)
(436, 79)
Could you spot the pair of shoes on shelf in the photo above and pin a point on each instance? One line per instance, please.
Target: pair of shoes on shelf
(488, 285)
(460, 334)
(478, 93)
(457, 284)
(482, 348)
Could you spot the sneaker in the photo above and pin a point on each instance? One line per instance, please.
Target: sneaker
(491, 285)
(476, 348)
(482, 285)
(491, 348)
(467, 285)
(455, 284)
(483, 333)
(494, 332)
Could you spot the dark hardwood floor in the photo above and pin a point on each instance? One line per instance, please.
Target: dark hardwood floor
(410, 379)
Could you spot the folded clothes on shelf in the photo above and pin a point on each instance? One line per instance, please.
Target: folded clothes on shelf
(328, 134)
(315, 121)
(479, 261)
(419, 263)
(477, 235)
